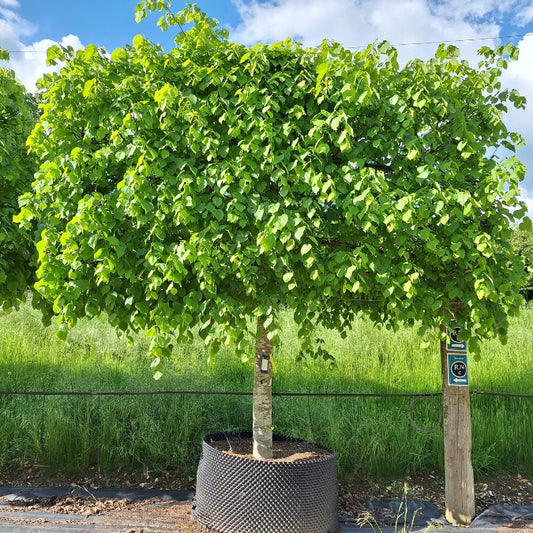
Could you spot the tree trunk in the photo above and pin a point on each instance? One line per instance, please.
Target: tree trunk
(459, 475)
(262, 397)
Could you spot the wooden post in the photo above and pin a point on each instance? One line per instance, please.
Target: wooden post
(459, 475)
(262, 395)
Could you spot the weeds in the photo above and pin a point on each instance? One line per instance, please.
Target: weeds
(404, 518)
(402, 523)
(367, 519)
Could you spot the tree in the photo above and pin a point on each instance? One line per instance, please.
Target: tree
(522, 241)
(17, 118)
(199, 188)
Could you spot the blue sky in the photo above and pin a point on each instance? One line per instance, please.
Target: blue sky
(29, 27)
(111, 23)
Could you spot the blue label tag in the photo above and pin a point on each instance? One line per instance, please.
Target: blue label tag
(457, 369)
(453, 343)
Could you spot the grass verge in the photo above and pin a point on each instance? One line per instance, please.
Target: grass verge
(385, 436)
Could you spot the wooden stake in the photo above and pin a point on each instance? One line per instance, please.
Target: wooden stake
(459, 475)
(262, 396)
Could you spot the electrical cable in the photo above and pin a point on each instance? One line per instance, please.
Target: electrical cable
(357, 47)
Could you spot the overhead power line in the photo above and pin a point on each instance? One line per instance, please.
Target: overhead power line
(414, 43)
(452, 41)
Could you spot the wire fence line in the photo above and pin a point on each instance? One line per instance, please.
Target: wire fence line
(250, 393)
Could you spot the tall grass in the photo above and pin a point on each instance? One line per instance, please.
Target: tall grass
(385, 436)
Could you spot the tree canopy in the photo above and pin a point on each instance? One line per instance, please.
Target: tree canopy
(199, 187)
(17, 118)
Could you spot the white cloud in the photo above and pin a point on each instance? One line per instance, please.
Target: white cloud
(13, 27)
(525, 15)
(359, 22)
(30, 62)
(27, 60)
(527, 197)
(478, 9)
(9, 3)
(519, 75)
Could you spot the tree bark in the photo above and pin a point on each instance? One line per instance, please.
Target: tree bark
(459, 475)
(262, 395)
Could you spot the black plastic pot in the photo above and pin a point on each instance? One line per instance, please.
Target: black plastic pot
(236, 494)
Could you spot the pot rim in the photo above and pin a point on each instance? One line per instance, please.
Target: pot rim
(247, 434)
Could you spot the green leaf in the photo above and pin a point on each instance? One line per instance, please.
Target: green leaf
(90, 51)
(138, 41)
(88, 87)
(298, 234)
(350, 271)
(407, 215)
(463, 197)
(424, 234)
(401, 203)
(525, 225)
(54, 54)
(335, 123)
(305, 249)
(288, 276)
(266, 241)
(412, 154)
(62, 331)
(282, 221)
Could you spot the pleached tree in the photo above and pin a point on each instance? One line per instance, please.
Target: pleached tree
(204, 187)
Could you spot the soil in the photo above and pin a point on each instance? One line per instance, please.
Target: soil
(504, 489)
(282, 450)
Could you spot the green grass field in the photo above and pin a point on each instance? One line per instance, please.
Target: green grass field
(377, 436)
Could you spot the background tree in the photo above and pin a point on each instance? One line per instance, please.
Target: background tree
(198, 188)
(522, 241)
(17, 118)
